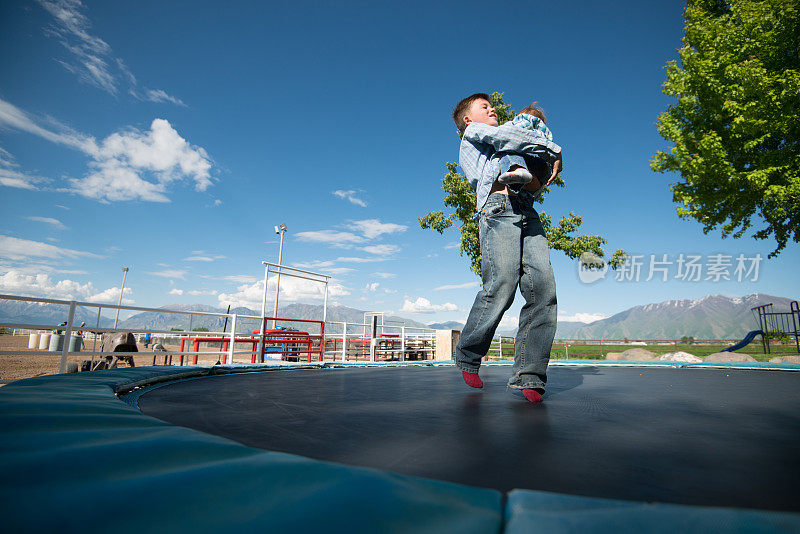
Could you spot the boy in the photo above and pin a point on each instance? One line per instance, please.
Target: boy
(514, 248)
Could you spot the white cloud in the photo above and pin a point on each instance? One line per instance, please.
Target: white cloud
(234, 278)
(197, 292)
(423, 305)
(158, 96)
(358, 260)
(292, 290)
(129, 165)
(372, 228)
(384, 275)
(457, 286)
(581, 317)
(34, 267)
(62, 207)
(381, 250)
(373, 286)
(338, 270)
(13, 117)
(350, 195)
(331, 237)
(10, 176)
(314, 264)
(326, 267)
(160, 153)
(92, 59)
(193, 292)
(205, 258)
(508, 322)
(453, 245)
(14, 248)
(47, 220)
(169, 273)
(112, 295)
(41, 285)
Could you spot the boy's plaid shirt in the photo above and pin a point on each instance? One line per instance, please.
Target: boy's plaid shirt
(481, 142)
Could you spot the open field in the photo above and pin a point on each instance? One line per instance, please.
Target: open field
(577, 350)
(25, 365)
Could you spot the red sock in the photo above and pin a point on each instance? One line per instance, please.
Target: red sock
(532, 395)
(472, 379)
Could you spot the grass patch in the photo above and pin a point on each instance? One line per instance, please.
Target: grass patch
(584, 351)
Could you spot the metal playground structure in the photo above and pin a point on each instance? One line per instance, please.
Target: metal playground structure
(777, 325)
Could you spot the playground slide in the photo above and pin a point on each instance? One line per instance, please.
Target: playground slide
(746, 341)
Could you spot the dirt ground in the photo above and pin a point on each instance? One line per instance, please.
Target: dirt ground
(25, 363)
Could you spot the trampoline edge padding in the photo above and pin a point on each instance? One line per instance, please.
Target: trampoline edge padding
(555, 512)
(76, 458)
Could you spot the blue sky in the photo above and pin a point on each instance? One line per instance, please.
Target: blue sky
(171, 137)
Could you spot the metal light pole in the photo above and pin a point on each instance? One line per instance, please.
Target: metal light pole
(121, 290)
(278, 230)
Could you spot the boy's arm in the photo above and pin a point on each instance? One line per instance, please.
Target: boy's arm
(511, 139)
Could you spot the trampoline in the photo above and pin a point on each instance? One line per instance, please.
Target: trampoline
(703, 436)
(401, 448)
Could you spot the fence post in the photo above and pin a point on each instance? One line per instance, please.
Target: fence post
(403, 343)
(373, 334)
(233, 339)
(344, 343)
(62, 367)
(94, 334)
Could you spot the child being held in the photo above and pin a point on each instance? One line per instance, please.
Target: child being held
(515, 170)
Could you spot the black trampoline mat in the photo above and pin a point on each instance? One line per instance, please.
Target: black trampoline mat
(693, 436)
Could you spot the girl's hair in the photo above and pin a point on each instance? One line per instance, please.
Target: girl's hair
(536, 111)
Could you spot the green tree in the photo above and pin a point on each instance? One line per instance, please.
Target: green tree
(736, 124)
(461, 199)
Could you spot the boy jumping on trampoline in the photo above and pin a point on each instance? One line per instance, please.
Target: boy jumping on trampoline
(514, 249)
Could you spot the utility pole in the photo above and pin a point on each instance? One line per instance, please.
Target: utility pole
(278, 230)
(121, 290)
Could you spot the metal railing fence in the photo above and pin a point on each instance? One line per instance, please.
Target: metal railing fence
(391, 342)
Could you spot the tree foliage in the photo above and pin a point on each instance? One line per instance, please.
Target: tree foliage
(460, 198)
(736, 124)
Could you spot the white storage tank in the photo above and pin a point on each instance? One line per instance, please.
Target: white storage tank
(44, 341)
(56, 342)
(33, 341)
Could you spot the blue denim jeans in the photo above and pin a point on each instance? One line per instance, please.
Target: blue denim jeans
(514, 253)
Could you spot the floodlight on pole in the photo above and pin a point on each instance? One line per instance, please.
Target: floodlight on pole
(121, 291)
(278, 230)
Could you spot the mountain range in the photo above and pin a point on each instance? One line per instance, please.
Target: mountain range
(164, 321)
(710, 317)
